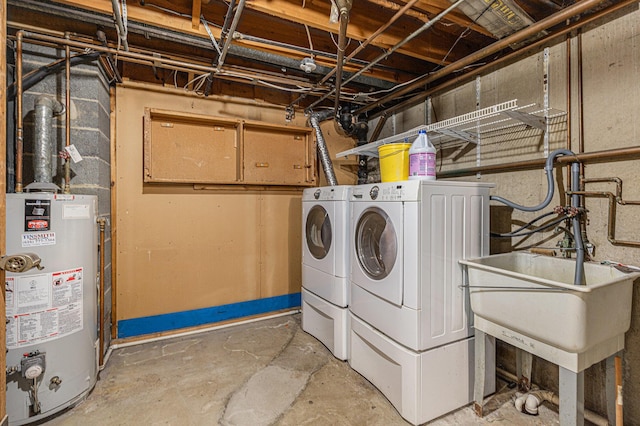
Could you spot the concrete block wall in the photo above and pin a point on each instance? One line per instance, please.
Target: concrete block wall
(611, 104)
(90, 134)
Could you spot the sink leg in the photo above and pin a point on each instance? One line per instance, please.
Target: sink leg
(610, 388)
(571, 397)
(482, 342)
(480, 366)
(524, 362)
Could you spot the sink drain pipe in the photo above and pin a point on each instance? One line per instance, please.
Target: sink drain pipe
(323, 151)
(542, 396)
(575, 204)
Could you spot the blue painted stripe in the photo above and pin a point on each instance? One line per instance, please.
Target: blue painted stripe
(176, 320)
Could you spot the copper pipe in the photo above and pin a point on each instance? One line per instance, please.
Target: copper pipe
(611, 221)
(102, 222)
(580, 96)
(148, 59)
(121, 54)
(618, 183)
(19, 125)
(621, 154)
(114, 209)
(376, 132)
(67, 116)
(568, 146)
(618, 370)
(428, 78)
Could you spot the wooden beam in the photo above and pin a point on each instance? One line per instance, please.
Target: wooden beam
(195, 14)
(316, 15)
(3, 207)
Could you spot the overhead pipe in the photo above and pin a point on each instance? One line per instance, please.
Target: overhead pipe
(173, 36)
(323, 151)
(45, 108)
(504, 59)
(148, 59)
(232, 30)
(621, 154)
(531, 30)
(386, 54)
(36, 76)
(364, 44)
(227, 21)
(122, 34)
(344, 7)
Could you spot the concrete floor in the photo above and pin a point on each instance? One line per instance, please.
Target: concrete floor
(268, 372)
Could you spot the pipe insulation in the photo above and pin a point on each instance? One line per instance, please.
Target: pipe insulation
(323, 152)
(45, 108)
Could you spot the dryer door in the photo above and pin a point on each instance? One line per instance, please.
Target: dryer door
(378, 250)
(318, 231)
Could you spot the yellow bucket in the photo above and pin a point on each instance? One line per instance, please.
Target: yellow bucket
(394, 161)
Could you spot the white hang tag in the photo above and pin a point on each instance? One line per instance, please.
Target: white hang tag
(73, 153)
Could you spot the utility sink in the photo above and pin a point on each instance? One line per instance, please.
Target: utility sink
(530, 300)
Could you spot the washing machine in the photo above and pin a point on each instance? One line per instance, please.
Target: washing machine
(410, 321)
(325, 266)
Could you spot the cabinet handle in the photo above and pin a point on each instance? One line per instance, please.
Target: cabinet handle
(297, 166)
(262, 164)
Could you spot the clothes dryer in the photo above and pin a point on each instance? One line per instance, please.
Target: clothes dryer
(325, 266)
(410, 331)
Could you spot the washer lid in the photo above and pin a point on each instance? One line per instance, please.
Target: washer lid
(318, 232)
(376, 243)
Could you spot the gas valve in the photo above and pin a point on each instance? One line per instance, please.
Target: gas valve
(32, 365)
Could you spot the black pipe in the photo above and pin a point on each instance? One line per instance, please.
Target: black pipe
(11, 126)
(38, 75)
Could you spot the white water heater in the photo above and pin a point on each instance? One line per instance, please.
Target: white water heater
(51, 313)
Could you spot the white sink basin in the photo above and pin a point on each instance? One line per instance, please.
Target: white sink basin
(534, 296)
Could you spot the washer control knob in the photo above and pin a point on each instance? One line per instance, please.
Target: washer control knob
(374, 192)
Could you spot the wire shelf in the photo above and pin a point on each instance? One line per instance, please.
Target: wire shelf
(496, 119)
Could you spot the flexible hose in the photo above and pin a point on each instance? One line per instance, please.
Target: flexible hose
(578, 278)
(518, 233)
(323, 151)
(548, 169)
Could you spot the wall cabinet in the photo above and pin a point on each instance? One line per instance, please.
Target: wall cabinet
(199, 149)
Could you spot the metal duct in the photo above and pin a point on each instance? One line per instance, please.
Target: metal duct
(46, 107)
(323, 152)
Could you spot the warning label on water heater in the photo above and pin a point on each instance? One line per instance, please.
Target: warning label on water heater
(43, 307)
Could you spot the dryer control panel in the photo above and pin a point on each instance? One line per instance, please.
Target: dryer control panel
(387, 191)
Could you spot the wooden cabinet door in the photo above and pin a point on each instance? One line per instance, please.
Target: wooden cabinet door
(277, 155)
